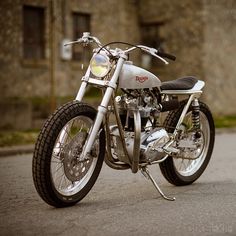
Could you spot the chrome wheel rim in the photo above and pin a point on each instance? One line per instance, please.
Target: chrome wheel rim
(188, 167)
(69, 173)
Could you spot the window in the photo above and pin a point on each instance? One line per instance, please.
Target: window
(33, 32)
(81, 23)
(151, 37)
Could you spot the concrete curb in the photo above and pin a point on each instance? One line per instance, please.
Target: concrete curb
(226, 130)
(15, 150)
(23, 149)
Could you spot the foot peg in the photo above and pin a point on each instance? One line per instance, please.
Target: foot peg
(147, 174)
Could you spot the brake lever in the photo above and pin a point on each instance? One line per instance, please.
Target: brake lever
(74, 42)
(153, 52)
(160, 58)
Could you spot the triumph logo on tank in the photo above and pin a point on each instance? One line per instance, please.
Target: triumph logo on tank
(141, 79)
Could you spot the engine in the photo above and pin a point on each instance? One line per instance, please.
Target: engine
(144, 101)
(152, 137)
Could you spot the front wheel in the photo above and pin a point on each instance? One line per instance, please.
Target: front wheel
(60, 176)
(195, 146)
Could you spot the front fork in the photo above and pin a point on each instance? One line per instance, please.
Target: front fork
(102, 109)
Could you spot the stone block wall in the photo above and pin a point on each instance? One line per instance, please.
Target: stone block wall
(182, 32)
(219, 50)
(200, 33)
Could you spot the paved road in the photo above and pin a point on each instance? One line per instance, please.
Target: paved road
(125, 204)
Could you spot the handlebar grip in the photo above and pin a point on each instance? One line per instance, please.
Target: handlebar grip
(166, 55)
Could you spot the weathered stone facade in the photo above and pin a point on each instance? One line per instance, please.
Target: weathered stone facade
(200, 33)
(31, 78)
(181, 31)
(219, 50)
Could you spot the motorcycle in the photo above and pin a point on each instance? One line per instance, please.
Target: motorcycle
(140, 121)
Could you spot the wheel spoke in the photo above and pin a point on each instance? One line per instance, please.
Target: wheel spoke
(58, 168)
(57, 175)
(60, 183)
(189, 167)
(57, 157)
(68, 173)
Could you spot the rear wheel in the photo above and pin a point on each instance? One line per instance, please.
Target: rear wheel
(60, 176)
(195, 146)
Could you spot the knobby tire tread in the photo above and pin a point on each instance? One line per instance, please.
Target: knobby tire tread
(43, 151)
(167, 167)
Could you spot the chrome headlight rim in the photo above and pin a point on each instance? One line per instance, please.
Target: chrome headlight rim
(100, 65)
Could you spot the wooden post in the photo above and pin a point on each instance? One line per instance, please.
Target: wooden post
(52, 56)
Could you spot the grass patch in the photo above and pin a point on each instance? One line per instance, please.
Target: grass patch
(93, 92)
(12, 138)
(225, 121)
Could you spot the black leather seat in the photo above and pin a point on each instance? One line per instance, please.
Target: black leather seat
(184, 83)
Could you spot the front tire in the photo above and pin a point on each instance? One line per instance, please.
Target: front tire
(190, 170)
(60, 177)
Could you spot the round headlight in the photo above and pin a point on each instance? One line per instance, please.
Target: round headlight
(100, 65)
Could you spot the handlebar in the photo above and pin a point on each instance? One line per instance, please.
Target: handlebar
(167, 55)
(87, 38)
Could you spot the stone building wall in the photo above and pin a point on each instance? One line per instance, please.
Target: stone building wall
(219, 55)
(22, 79)
(200, 33)
(29, 76)
(182, 32)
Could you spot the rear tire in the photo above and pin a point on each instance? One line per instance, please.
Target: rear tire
(169, 167)
(57, 151)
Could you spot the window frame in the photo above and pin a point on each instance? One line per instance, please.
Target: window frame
(159, 40)
(40, 43)
(76, 33)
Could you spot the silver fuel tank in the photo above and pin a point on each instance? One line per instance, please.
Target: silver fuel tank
(134, 77)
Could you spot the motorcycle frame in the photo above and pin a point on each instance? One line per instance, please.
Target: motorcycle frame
(110, 88)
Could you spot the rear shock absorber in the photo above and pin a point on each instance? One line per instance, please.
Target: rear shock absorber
(196, 117)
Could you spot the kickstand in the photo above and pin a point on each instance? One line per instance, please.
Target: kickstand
(147, 174)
